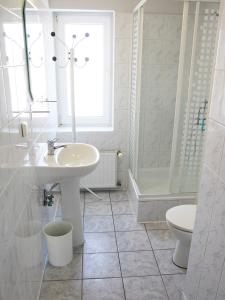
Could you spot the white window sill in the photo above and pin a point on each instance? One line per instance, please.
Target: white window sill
(94, 129)
(79, 129)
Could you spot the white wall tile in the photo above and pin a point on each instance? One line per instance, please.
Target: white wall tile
(154, 26)
(205, 275)
(154, 210)
(121, 119)
(153, 52)
(217, 108)
(122, 75)
(221, 288)
(220, 61)
(171, 51)
(172, 28)
(121, 100)
(21, 250)
(122, 51)
(212, 264)
(215, 142)
(206, 197)
(159, 77)
(123, 25)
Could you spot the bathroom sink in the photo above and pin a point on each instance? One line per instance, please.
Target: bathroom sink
(80, 159)
(66, 166)
(74, 160)
(79, 156)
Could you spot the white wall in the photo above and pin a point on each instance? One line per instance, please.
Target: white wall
(21, 213)
(39, 3)
(164, 6)
(206, 269)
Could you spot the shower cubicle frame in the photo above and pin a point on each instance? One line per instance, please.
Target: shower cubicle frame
(140, 11)
(179, 88)
(141, 203)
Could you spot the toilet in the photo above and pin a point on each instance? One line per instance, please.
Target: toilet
(180, 220)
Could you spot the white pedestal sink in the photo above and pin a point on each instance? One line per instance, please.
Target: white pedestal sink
(71, 208)
(66, 166)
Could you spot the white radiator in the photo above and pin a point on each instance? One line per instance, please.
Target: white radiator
(105, 174)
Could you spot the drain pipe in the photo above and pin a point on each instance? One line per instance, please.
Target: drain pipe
(48, 193)
(90, 191)
(53, 186)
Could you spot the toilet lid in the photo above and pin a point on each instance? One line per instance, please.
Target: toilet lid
(182, 217)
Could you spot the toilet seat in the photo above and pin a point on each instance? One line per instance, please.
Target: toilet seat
(182, 217)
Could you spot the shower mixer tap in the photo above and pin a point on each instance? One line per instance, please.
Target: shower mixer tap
(201, 120)
(203, 124)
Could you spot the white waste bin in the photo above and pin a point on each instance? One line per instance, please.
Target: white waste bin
(59, 242)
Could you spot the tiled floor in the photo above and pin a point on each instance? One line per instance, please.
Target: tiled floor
(120, 260)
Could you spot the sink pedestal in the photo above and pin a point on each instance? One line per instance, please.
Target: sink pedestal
(71, 208)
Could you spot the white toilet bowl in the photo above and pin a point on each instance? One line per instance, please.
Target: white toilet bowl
(180, 220)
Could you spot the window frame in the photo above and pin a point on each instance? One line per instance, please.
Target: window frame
(107, 19)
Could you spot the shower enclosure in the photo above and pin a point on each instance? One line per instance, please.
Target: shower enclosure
(173, 51)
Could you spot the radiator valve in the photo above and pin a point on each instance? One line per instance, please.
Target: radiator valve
(119, 183)
(119, 154)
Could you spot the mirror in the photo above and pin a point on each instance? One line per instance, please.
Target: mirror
(12, 61)
(38, 24)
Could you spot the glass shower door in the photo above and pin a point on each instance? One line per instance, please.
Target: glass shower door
(193, 94)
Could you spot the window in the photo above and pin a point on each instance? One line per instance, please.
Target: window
(92, 35)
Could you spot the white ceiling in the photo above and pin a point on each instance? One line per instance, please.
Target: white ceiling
(118, 5)
(155, 6)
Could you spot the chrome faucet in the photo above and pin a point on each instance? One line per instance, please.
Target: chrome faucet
(52, 147)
